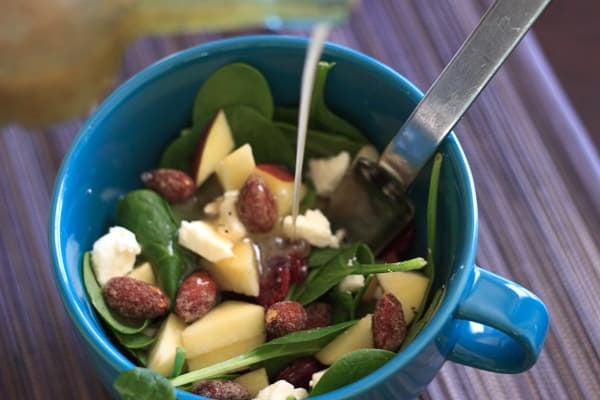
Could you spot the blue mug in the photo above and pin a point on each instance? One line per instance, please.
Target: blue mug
(484, 321)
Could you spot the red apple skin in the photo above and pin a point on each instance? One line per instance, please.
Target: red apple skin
(276, 171)
(217, 127)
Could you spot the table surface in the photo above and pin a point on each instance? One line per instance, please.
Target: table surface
(538, 181)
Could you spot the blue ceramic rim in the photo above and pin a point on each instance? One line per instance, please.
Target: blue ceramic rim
(96, 338)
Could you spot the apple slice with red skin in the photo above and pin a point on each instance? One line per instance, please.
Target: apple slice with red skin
(280, 182)
(215, 144)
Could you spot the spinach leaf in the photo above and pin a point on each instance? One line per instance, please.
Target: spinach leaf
(135, 341)
(143, 384)
(321, 117)
(357, 259)
(346, 304)
(309, 200)
(149, 216)
(351, 367)
(232, 84)
(342, 305)
(301, 343)
(141, 355)
(94, 292)
(269, 144)
(320, 257)
(423, 318)
(286, 114)
(320, 144)
(179, 362)
(168, 266)
(423, 315)
(432, 205)
(180, 152)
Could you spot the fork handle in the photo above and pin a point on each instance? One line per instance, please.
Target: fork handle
(462, 80)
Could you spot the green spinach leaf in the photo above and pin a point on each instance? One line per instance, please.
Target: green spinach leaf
(230, 85)
(94, 292)
(179, 362)
(320, 257)
(149, 216)
(350, 368)
(357, 259)
(233, 84)
(143, 384)
(269, 144)
(136, 340)
(321, 117)
(424, 314)
(168, 265)
(298, 344)
(320, 144)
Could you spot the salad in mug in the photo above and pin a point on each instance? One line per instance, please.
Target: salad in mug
(209, 284)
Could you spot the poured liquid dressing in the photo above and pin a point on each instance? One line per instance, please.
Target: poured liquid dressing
(313, 54)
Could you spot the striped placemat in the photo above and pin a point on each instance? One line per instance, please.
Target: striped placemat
(538, 182)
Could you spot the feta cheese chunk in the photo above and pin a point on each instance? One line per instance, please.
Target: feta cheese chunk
(314, 379)
(327, 173)
(281, 390)
(352, 283)
(201, 238)
(313, 227)
(114, 254)
(228, 223)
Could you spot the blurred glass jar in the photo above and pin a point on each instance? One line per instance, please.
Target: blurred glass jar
(58, 57)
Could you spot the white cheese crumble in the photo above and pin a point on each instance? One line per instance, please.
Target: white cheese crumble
(313, 227)
(227, 222)
(201, 238)
(281, 390)
(351, 283)
(314, 379)
(114, 254)
(327, 173)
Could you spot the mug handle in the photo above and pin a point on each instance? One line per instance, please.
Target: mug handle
(500, 326)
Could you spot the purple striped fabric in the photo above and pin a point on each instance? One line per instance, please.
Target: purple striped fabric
(536, 171)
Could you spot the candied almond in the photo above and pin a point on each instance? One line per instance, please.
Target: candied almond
(256, 205)
(221, 389)
(132, 298)
(318, 315)
(174, 185)
(285, 317)
(196, 296)
(389, 326)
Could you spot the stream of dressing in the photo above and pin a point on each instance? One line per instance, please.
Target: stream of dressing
(313, 54)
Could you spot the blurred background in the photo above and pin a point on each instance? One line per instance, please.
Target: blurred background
(569, 33)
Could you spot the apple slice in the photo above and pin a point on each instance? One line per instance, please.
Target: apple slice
(408, 287)
(228, 323)
(356, 337)
(143, 273)
(327, 173)
(216, 143)
(239, 273)
(201, 238)
(217, 355)
(254, 381)
(281, 183)
(234, 169)
(162, 355)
